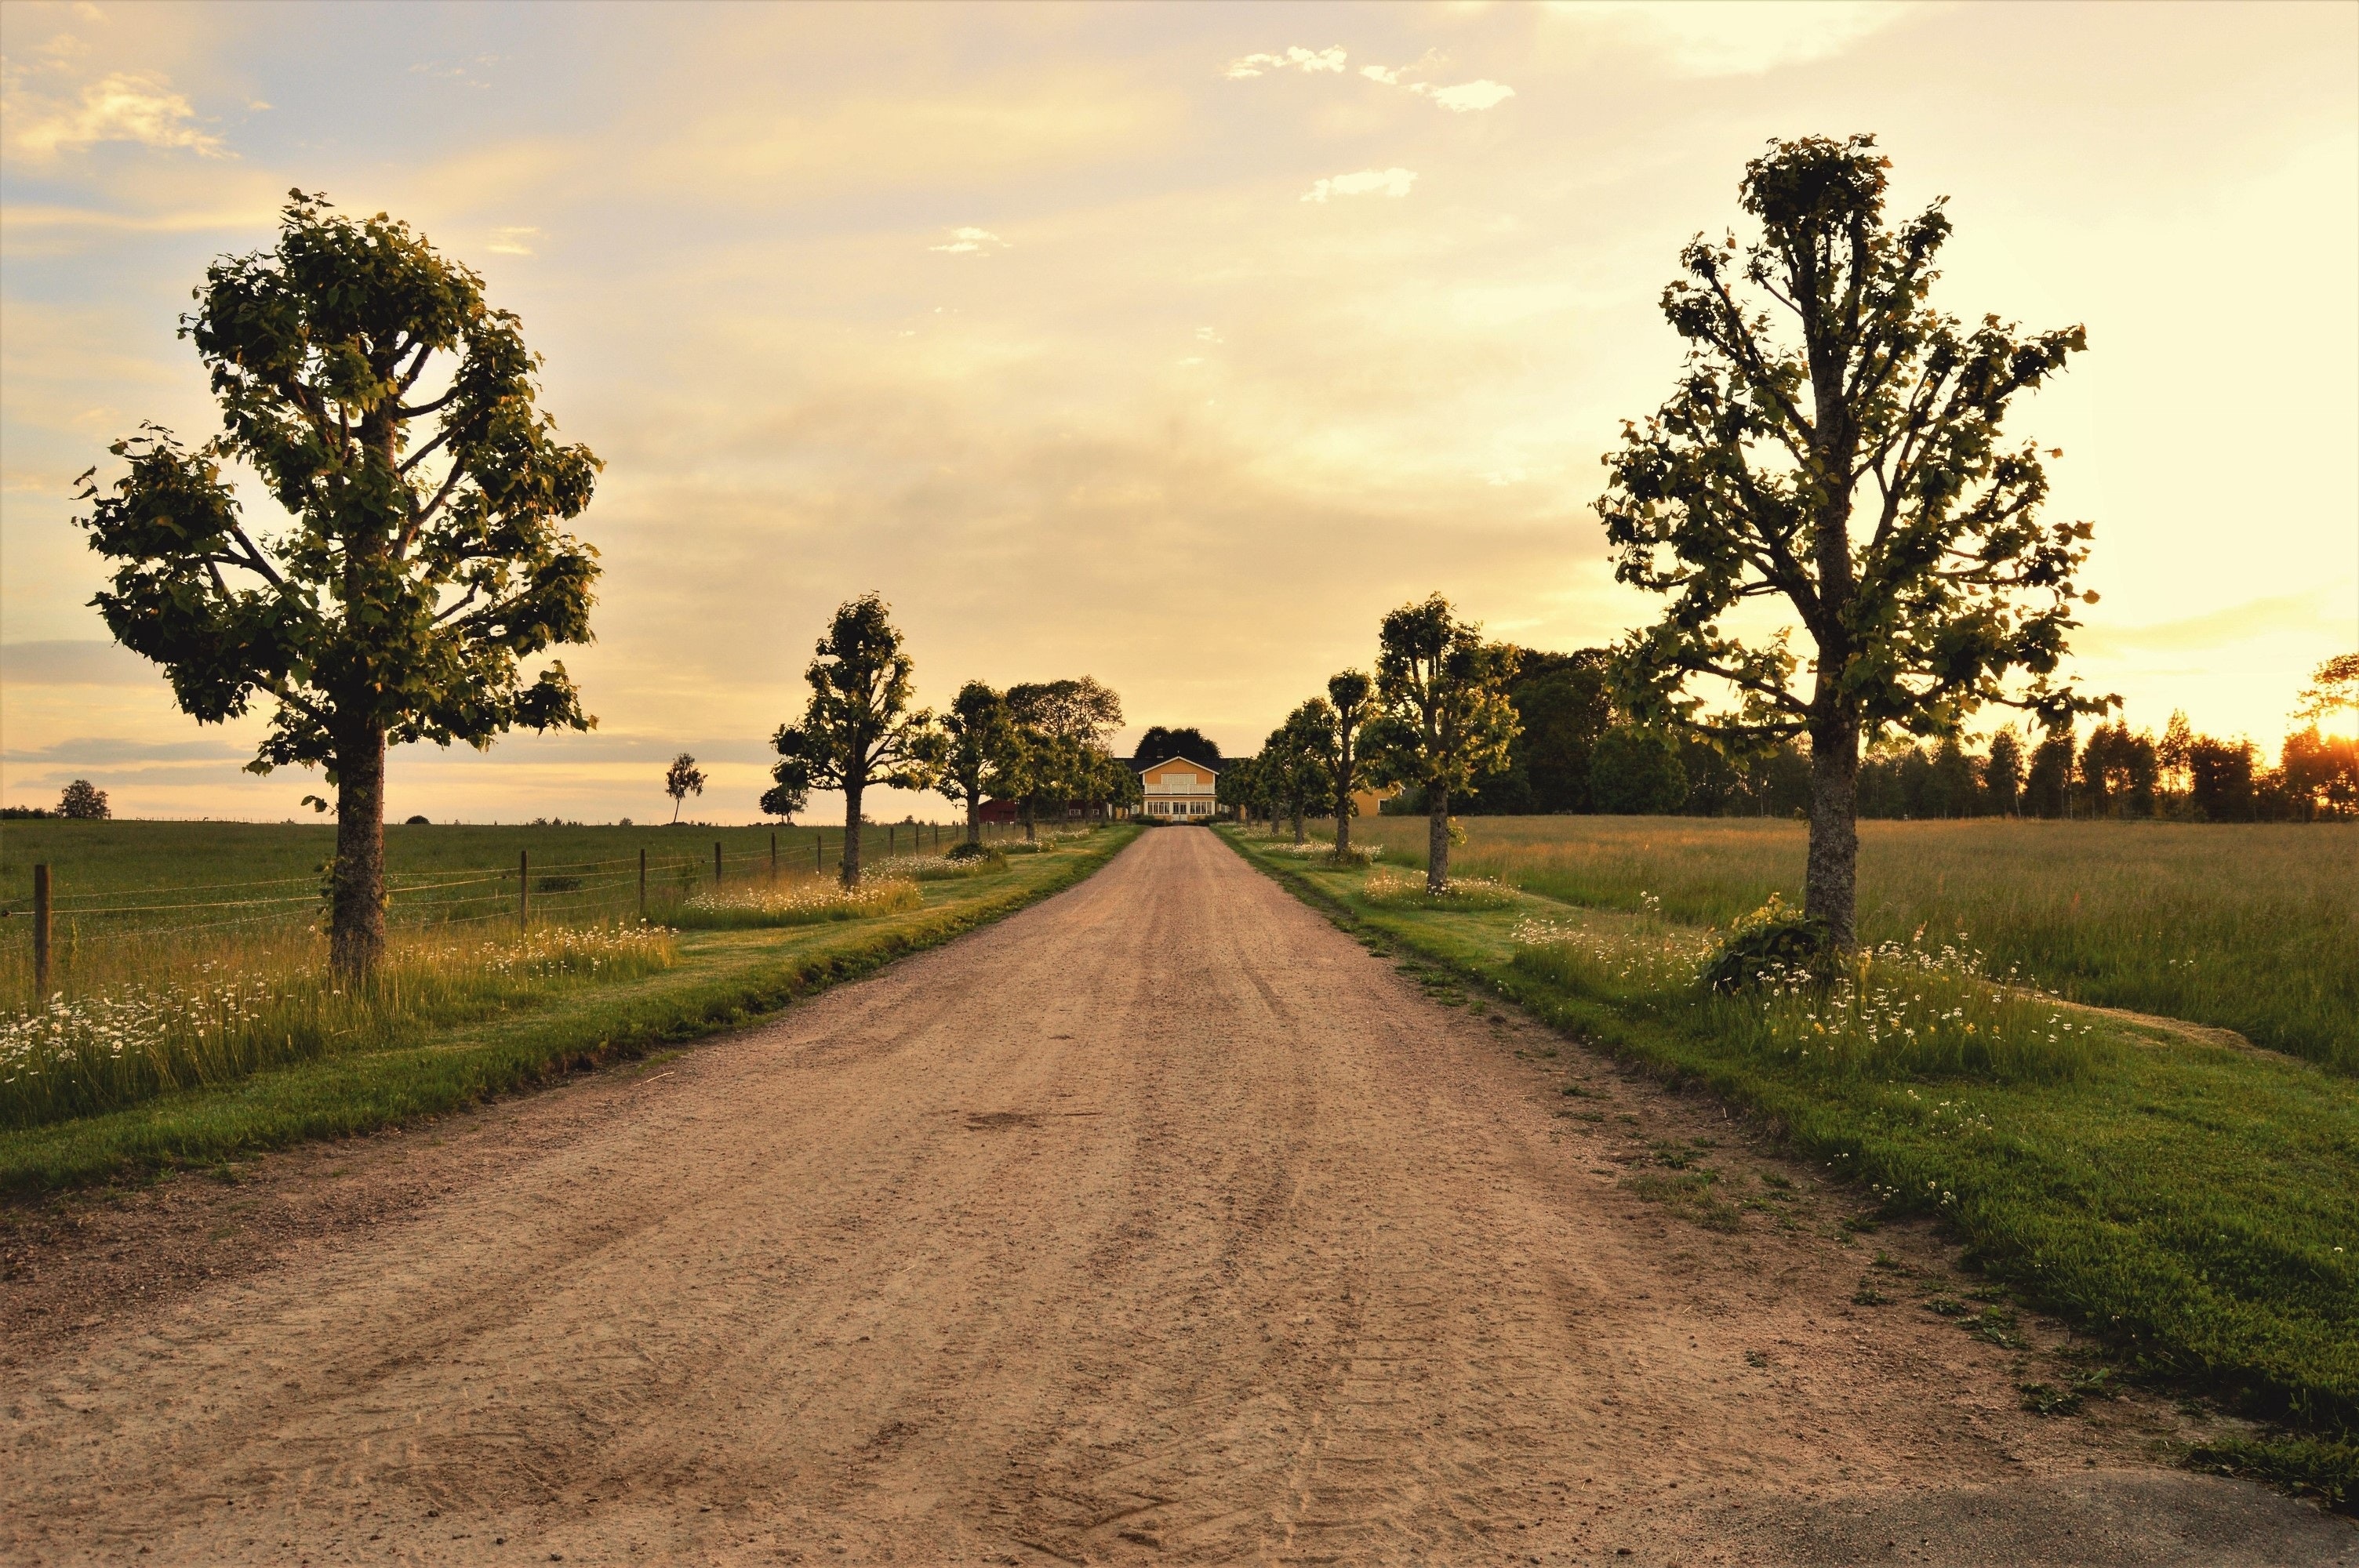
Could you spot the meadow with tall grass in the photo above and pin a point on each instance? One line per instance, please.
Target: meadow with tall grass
(2249, 927)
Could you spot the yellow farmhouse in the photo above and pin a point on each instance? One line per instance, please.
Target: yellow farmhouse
(1177, 787)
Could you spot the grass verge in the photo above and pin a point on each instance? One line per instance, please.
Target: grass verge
(2193, 1203)
(720, 980)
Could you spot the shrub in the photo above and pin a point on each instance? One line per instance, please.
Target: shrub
(1775, 942)
(963, 852)
(419, 821)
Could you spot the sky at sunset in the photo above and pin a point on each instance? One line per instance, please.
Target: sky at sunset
(1170, 344)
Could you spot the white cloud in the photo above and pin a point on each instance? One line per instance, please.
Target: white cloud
(1745, 38)
(1367, 182)
(513, 241)
(1465, 98)
(969, 241)
(1468, 95)
(1294, 58)
(122, 106)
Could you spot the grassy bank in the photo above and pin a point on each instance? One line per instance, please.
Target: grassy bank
(2245, 927)
(2194, 1204)
(714, 979)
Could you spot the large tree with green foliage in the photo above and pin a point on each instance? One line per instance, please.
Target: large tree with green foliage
(858, 731)
(1350, 694)
(1443, 721)
(973, 752)
(1834, 445)
(1056, 753)
(389, 413)
(1296, 764)
(1242, 788)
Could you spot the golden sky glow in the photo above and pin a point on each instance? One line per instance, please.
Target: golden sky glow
(1172, 345)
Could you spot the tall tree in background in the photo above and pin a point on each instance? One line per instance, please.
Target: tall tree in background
(858, 731)
(1295, 762)
(390, 411)
(1350, 694)
(1444, 720)
(975, 734)
(1160, 745)
(1241, 787)
(1634, 770)
(83, 801)
(2003, 772)
(1059, 730)
(1748, 483)
(684, 778)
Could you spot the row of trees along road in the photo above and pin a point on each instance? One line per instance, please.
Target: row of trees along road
(390, 412)
(1834, 444)
(1040, 744)
(1435, 720)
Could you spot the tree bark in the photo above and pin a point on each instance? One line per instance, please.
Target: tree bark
(852, 834)
(1030, 813)
(1343, 794)
(975, 818)
(1297, 823)
(1437, 840)
(1830, 883)
(356, 899)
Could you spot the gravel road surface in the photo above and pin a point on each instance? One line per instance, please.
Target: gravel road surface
(1160, 1223)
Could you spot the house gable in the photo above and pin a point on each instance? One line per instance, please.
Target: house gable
(1154, 772)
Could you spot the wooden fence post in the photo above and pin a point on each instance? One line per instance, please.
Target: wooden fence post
(41, 933)
(889, 831)
(643, 885)
(774, 857)
(524, 889)
(819, 854)
(716, 865)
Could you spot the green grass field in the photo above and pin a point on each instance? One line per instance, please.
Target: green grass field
(2193, 1203)
(115, 877)
(2254, 928)
(213, 1046)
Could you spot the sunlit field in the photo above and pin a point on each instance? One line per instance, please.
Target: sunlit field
(2251, 928)
(191, 956)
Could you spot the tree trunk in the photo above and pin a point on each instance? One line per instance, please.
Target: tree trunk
(851, 836)
(1298, 822)
(1343, 797)
(1832, 883)
(1437, 840)
(356, 906)
(1030, 813)
(674, 808)
(975, 818)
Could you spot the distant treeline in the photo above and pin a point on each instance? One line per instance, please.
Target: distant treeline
(1573, 751)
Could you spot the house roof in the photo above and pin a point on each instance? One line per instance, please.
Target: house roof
(1213, 768)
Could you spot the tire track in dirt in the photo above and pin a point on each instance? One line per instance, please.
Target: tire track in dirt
(1157, 1223)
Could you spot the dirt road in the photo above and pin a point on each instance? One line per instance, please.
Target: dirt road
(1160, 1223)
